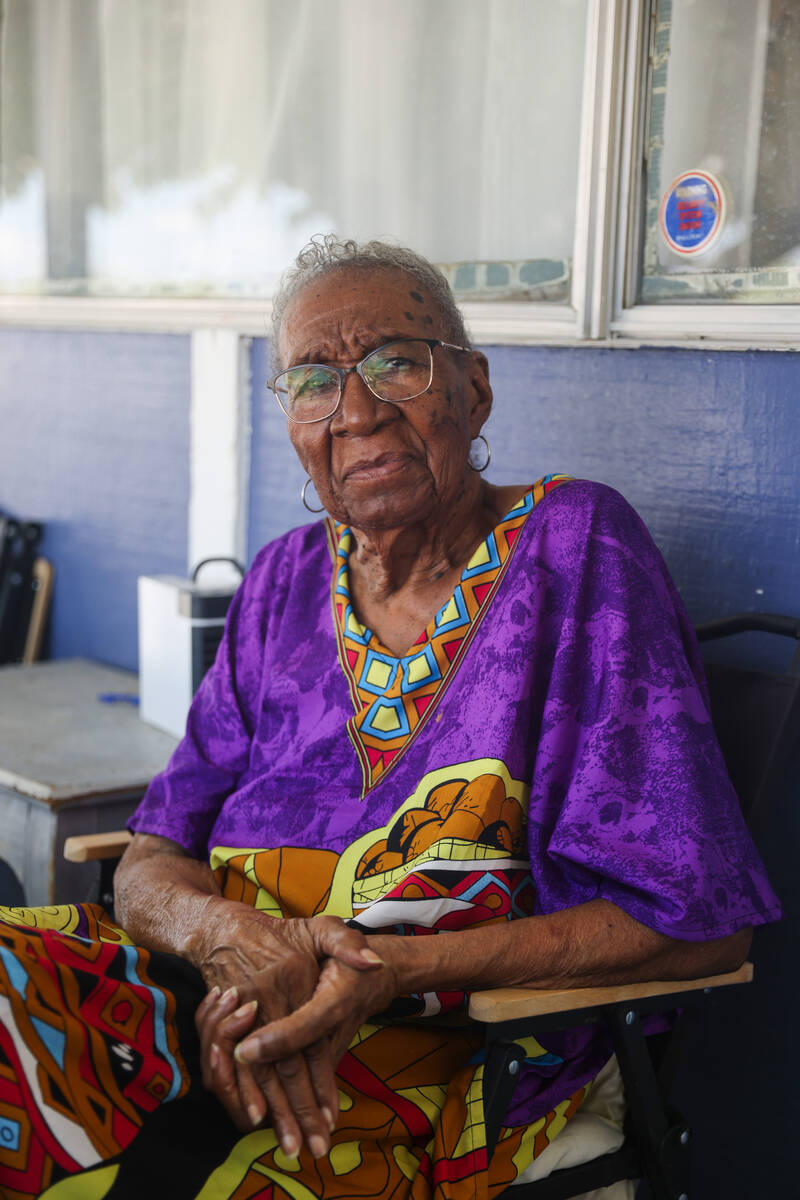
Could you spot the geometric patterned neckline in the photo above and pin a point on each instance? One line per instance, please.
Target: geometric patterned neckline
(393, 695)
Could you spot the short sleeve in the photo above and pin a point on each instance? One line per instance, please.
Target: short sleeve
(182, 803)
(630, 798)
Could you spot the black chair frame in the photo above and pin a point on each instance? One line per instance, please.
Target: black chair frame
(657, 1137)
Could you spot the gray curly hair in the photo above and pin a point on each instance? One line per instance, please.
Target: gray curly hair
(327, 252)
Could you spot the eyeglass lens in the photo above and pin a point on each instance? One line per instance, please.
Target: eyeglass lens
(397, 371)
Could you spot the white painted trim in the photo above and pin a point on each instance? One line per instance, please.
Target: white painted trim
(518, 323)
(728, 326)
(731, 326)
(130, 315)
(488, 320)
(581, 250)
(598, 156)
(630, 196)
(755, 112)
(760, 326)
(219, 451)
(525, 323)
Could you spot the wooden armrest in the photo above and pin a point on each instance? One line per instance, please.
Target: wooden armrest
(88, 847)
(509, 1004)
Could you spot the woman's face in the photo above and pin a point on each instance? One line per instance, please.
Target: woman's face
(378, 465)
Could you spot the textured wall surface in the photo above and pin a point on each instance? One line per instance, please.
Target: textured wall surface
(94, 441)
(705, 445)
(276, 476)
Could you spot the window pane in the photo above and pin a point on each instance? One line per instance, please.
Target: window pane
(192, 146)
(723, 181)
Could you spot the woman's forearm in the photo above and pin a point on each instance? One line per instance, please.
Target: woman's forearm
(591, 944)
(169, 901)
(165, 899)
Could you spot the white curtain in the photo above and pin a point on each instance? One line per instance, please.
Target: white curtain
(195, 145)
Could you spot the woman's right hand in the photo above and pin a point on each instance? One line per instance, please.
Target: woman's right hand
(259, 970)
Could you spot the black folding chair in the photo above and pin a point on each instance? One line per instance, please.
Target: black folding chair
(757, 719)
(12, 892)
(19, 584)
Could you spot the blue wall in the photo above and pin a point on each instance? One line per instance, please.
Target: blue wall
(94, 441)
(276, 477)
(705, 445)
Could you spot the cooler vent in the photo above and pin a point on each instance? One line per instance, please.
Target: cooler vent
(205, 642)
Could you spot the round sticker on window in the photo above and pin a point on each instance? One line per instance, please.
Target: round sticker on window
(692, 212)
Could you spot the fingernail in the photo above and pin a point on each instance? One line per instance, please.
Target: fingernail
(317, 1146)
(255, 1114)
(371, 957)
(289, 1146)
(246, 1008)
(214, 1054)
(241, 1054)
(231, 994)
(326, 1112)
(215, 991)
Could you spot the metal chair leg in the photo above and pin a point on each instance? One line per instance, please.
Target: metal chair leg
(663, 1140)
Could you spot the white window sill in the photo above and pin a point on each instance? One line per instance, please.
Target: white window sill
(513, 323)
(729, 327)
(710, 326)
(129, 315)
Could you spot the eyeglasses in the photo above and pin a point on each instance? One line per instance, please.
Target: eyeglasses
(395, 372)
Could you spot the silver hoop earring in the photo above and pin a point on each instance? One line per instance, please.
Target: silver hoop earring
(484, 465)
(305, 502)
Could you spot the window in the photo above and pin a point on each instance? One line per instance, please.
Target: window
(582, 169)
(722, 196)
(190, 147)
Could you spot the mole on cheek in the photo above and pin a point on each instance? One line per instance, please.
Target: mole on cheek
(416, 296)
(409, 316)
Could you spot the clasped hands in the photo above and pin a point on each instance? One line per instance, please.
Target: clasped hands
(284, 1002)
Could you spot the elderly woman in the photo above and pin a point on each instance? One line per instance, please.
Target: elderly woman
(446, 708)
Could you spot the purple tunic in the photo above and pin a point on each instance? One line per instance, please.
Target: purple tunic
(580, 676)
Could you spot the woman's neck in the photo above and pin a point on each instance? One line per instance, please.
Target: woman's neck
(384, 562)
(400, 577)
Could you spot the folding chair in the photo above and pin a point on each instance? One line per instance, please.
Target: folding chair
(757, 719)
(24, 588)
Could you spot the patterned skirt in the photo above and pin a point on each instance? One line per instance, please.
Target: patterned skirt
(100, 1092)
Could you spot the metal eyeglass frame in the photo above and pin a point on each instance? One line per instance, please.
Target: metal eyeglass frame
(343, 372)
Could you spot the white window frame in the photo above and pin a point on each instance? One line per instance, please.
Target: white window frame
(605, 253)
(711, 326)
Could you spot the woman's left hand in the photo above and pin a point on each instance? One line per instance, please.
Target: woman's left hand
(283, 1090)
(342, 1001)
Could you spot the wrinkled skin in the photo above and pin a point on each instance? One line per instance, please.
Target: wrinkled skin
(281, 966)
(257, 970)
(397, 474)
